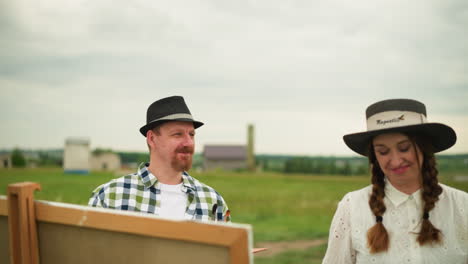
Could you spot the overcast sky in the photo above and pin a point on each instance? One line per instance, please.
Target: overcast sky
(303, 72)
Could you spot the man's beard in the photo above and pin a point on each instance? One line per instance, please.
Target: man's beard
(182, 164)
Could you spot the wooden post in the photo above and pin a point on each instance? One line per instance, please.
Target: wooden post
(22, 223)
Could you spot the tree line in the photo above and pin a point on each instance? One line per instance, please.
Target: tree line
(276, 163)
(344, 165)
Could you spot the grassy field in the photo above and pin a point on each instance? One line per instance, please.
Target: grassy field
(279, 207)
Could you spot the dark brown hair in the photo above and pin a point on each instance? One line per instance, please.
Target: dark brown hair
(377, 235)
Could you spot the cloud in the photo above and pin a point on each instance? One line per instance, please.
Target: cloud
(286, 66)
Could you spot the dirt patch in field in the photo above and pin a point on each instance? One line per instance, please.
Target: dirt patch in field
(274, 248)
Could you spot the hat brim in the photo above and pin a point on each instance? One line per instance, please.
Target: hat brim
(144, 129)
(442, 136)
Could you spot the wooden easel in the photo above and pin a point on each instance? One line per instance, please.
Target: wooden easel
(48, 233)
(22, 223)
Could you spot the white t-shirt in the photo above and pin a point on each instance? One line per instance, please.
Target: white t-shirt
(402, 219)
(173, 201)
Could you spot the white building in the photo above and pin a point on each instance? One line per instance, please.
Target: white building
(106, 161)
(5, 161)
(76, 155)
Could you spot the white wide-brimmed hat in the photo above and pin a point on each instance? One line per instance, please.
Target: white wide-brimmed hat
(400, 115)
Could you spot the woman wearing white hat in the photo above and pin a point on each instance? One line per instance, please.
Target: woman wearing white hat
(405, 215)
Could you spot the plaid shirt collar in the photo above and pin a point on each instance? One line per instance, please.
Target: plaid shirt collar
(140, 192)
(149, 179)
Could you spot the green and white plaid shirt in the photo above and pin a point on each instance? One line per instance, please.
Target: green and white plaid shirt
(140, 192)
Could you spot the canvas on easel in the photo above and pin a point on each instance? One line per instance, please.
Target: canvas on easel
(71, 234)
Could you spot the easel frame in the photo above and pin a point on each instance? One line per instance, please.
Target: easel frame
(23, 212)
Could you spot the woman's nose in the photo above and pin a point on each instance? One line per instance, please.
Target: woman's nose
(395, 160)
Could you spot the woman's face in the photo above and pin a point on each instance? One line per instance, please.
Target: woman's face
(398, 158)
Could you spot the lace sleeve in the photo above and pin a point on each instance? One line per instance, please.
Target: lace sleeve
(340, 248)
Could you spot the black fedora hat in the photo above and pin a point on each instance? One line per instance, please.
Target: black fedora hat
(400, 115)
(171, 108)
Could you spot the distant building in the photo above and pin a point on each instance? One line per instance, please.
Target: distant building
(5, 161)
(76, 156)
(107, 161)
(231, 157)
(32, 159)
(227, 157)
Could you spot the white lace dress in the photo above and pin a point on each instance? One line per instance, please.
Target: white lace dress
(348, 242)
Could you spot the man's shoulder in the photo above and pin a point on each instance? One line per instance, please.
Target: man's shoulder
(133, 178)
(198, 185)
(205, 192)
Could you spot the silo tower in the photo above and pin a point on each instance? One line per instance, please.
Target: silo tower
(250, 148)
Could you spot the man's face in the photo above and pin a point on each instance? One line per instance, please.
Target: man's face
(174, 144)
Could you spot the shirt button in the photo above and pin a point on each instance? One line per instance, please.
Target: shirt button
(413, 221)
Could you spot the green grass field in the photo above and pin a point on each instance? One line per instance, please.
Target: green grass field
(280, 207)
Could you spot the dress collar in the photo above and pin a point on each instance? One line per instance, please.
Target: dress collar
(397, 197)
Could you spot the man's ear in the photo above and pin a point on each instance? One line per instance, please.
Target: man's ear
(150, 138)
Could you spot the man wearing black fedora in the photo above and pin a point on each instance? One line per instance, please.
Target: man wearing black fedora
(405, 215)
(163, 186)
